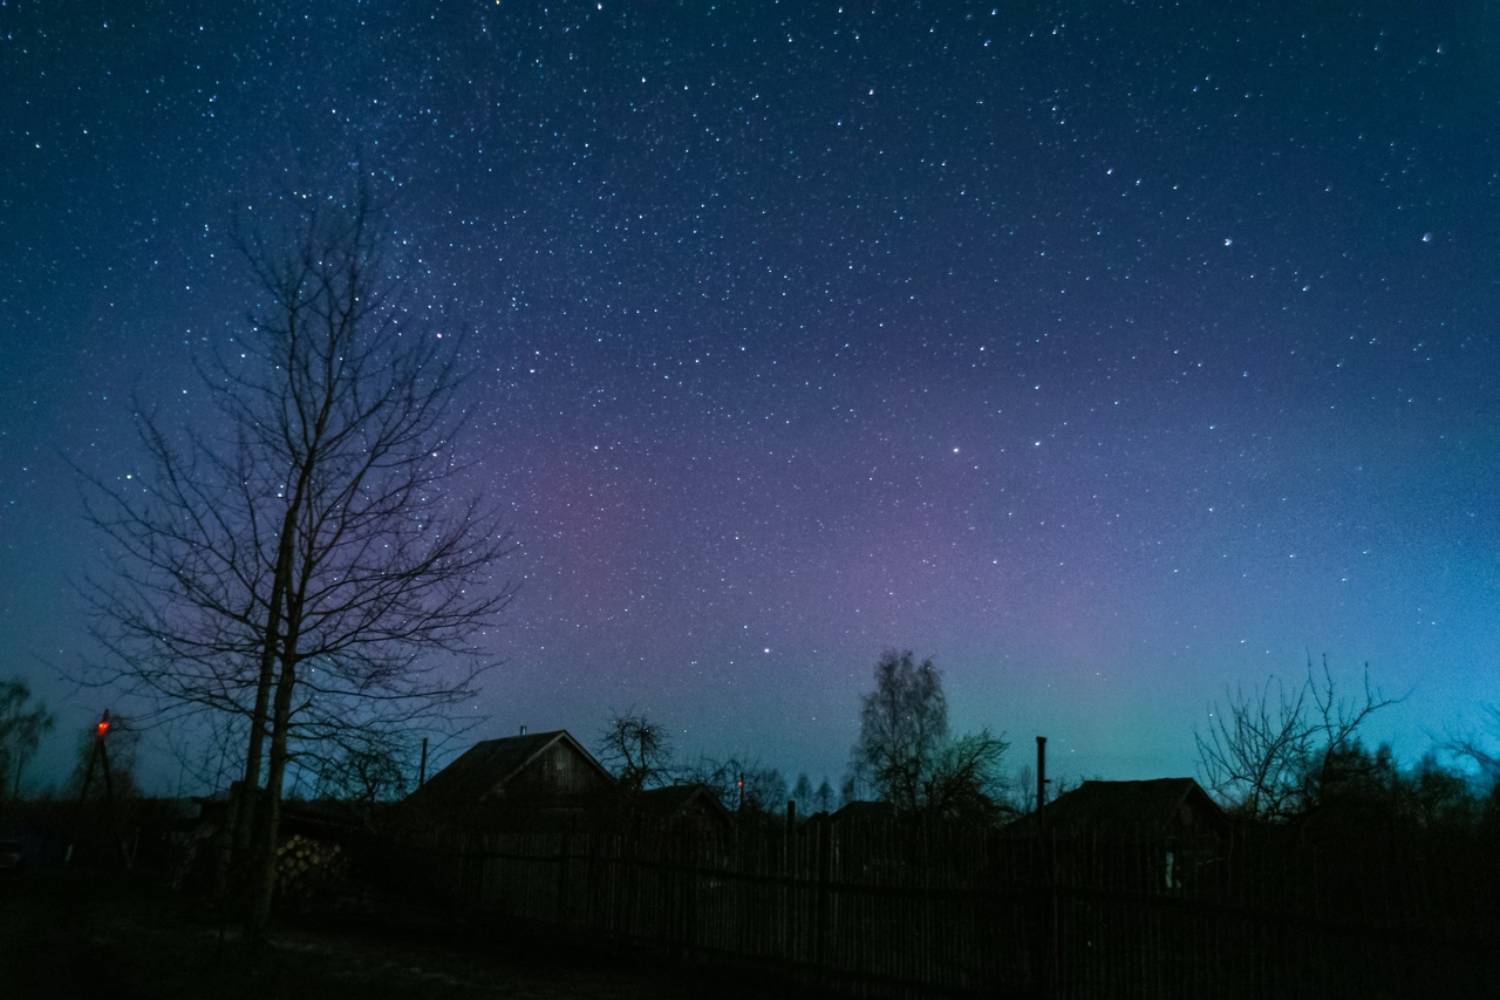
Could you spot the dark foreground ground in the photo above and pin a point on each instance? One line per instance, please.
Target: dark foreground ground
(65, 936)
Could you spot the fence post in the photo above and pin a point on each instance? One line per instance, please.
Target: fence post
(670, 895)
(789, 883)
(462, 884)
(825, 861)
(1048, 945)
(689, 860)
(562, 907)
(591, 883)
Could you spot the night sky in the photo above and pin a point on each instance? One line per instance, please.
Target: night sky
(1109, 354)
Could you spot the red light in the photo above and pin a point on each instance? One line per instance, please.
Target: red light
(103, 726)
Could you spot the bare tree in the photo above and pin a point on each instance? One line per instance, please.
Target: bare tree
(965, 781)
(1020, 793)
(742, 783)
(1478, 749)
(636, 749)
(209, 749)
(1262, 752)
(802, 793)
(364, 765)
(305, 563)
(903, 725)
(849, 790)
(1439, 798)
(905, 753)
(23, 723)
(824, 798)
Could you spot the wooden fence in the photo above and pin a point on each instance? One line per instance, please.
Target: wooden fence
(896, 909)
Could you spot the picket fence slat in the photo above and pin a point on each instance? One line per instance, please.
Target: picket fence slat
(893, 909)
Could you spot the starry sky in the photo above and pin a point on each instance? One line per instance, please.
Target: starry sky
(1108, 353)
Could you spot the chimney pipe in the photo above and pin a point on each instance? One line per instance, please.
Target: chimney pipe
(1041, 775)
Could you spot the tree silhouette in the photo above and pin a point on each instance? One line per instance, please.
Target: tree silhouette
(1479, 749)
(305, 562)
(23, 723)
(904, 751)
(965, 781)
(824, 798)
(637, 750)
(802, 793)
(1271, 752)
(742, 783)
(1437, 798)
(362, 765)
(903, 725)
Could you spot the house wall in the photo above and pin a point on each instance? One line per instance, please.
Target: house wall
(701, 817)
(560, 770)
(1197, 823)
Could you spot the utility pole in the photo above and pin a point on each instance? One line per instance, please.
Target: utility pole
(99, 756)
(101, 730)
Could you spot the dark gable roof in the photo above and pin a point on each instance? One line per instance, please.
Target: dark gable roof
(862, 811)
(674, 801)
(1153, 807)
(489, 764)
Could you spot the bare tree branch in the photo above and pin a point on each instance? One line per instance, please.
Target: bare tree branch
(905, 753)
(302, 565)
(23, 723)
(637, 750)
(1260, 750)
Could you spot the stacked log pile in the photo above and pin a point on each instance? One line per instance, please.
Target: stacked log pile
(305, 867)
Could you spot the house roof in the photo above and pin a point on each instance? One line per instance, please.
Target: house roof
(862, 811)
(1154, 807)
(489, 764)
(674, 801)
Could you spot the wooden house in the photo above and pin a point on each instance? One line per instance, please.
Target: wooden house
(518, 780)
(1180, 829)
(1176, 809)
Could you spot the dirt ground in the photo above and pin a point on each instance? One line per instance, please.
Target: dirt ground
(65, 937)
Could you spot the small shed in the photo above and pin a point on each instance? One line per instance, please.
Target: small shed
(692, 807)
(861, 812)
